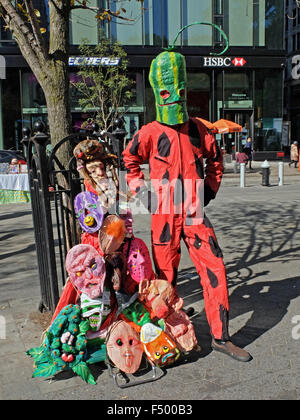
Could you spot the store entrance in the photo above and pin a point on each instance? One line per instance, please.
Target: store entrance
(235, 141)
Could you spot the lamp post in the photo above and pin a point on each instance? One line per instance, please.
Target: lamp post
(25, 140)
(119, 134)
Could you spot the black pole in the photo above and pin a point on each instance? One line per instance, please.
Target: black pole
(119, 134)
(42, 219)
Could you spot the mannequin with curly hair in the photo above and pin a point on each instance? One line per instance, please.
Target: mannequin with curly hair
(98, 168)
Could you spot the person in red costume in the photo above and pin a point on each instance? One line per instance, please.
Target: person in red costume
(175, 147)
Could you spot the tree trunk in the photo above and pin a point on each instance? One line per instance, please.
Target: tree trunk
(58, 105)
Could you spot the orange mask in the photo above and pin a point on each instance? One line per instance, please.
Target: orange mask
(158, 346)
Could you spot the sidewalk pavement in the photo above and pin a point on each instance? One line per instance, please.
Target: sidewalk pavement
(258, 230)
(254, 177)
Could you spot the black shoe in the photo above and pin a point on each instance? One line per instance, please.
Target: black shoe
(227, 347)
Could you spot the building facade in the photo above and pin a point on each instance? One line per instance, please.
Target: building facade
(292, 73)
(244, 85)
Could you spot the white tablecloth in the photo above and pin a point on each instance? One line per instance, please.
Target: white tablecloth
(17, 182)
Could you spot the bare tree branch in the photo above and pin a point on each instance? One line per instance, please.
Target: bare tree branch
(36, 27)
(100, 11)
(23, 35)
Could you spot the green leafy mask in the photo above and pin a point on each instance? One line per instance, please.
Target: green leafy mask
(168, 80)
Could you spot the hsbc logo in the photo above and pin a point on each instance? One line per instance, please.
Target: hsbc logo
(239, 61)
(224, 62)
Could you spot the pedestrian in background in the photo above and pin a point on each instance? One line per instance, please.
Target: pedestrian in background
(294, 154)
(248, 150)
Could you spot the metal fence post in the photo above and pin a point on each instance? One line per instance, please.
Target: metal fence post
(280, 174)
(42, 222)
(25, 140)
(242, 175)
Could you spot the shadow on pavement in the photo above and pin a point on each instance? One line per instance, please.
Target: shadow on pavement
(268, 235)
(14, 215)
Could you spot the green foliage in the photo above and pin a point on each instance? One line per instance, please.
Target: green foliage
(48, 357)
(103, 90)
(83, 371)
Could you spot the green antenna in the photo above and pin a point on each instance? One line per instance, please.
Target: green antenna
(172, 47)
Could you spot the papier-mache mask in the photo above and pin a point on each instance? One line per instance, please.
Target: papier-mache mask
(168, 80)
(137, 313)
(158, 346)
(86, 270)
(89, 211)
(124, 347)
(139, 263)
(111, 234)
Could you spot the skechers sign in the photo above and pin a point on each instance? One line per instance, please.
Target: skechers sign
(94, 61)
(224, 62)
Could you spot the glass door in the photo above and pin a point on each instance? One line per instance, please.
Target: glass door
(245, 119)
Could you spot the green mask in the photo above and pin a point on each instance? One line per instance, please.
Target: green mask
(137, 313)
(168, 80)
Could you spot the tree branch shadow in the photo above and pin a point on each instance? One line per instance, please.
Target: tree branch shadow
(268, 235)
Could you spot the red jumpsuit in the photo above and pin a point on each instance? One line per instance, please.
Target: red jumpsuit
(175, 155)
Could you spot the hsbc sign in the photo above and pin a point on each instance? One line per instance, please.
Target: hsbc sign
(224, 62)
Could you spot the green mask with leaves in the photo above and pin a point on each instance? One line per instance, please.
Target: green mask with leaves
(168, 80)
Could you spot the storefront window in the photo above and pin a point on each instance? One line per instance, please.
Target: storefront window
(83, 25)
(268, 118)
(150, 110)
(127, 32)
(32, 93)
(196, 11)
(198, 94)
(6, 38)
(259, 38)
(234, 91)
(237, 90)
(274, 23)
(238, 22)
(157, 22)
(11, 111)
(33, 100)
(162, 21)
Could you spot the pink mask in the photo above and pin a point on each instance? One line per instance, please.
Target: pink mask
(124, 347)
(139, 263)
(86, 269)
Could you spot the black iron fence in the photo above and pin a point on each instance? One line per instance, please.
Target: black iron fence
(54, 183)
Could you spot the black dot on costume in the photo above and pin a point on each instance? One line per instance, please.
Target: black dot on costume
(163, 145)
(197, 242)
(166, 175)
(194, 135)
(212, 278)
(224, 318)
(215, 249)
(135, 145)
(199, 167)
(165, 235)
